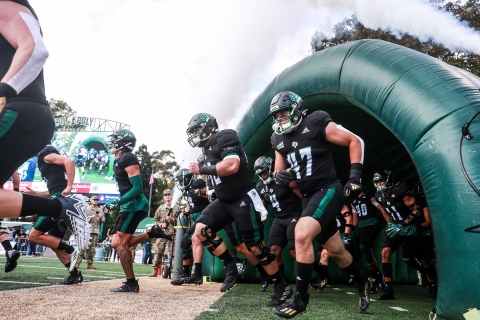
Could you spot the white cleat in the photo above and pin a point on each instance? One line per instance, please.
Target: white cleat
(74, 216)
(73, 259)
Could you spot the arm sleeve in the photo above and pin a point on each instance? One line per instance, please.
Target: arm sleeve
(136, 190)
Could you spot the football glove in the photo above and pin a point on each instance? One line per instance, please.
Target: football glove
(353, 187)
(284, 177)
(410, 230)
(112, 204)
(394, 229)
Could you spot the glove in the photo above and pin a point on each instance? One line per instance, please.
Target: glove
(346, 239)
(195, 193)
(284, 177)
(410, 230)
(395, 228)
(353, 187)
(111, 204)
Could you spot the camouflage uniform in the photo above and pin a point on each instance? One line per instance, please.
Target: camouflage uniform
(95, 224)
(160, 218)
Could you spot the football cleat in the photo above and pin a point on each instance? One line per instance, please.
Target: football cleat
(319, 284)
(282, 293)
(364, 290)
(12, 257)
(194, 279)
(388, 295)
(241, 267)
(264, 279)
(73, 259)
(78, 278)
(292, 308)
(158, 232)
(432, 291)
(73, 215)
(128, 287)
(229, 282)
(180, 280)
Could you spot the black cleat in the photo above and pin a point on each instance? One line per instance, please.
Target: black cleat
(379, 281)
(292, 308)
(388, 295)
(241, 267)
(194, 279)
(363, 291)
(180, 280)
(373, 287)
(158, 232)
(74, 216)
(319, 284)
(432, 291)
(128, 287)
(425, 282)
(72, 279)
(264, 282)
(12, 257)
(282, 293)
(229, 282)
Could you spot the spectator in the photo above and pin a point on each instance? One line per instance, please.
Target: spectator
(147, 251)
(107, 245)
(20, 240)
(12, 232)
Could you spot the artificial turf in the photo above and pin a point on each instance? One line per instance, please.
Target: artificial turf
(337, 301)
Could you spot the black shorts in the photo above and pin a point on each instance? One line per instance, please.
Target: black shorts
(26, 127)
(54, 228)
(127, 222)
(324, 205)
(282, 232)
(217, 215)
(414, 247)
(232, 232)
(367, 234)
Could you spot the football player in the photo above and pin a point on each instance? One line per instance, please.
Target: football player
(133, 204)
(403, 211)
(226, 163)
(304, 144)
(58, 172)
(285, 203)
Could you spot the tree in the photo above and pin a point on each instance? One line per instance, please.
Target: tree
(351, 29)
(60, 108)
(165, 164)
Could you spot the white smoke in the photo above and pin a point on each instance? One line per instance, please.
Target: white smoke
(415, 17)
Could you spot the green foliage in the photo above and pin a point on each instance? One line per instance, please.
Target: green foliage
(351, 29)
(60, 108)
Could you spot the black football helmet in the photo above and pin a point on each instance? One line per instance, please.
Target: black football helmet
(263, 169)
(382, 175)
(121, 139)
(200, 128)
(290, 101)
(183, 179)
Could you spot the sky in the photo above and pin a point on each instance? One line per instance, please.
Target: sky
(154, 64)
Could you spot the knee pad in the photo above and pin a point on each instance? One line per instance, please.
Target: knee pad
(212, 244)
(265, 254)
(187, 254)
(186, 243)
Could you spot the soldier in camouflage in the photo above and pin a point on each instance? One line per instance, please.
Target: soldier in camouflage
(165, 217)
(95, 217)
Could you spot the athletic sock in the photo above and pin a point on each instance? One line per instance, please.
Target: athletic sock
(261, 270)
(65, 247)
(198, 268)
(304, 271)
(7, 245)
(186, 269)
(317, 267)
(353, 270)
(228, 261)
(132, 280)
(387, 269)
(32, 205)
(324, 271)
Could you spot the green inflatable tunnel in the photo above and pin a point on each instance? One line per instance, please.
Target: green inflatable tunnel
(409, 109)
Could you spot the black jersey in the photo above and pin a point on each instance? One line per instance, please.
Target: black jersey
(394, 204)
(307, 151)
(196, 204)
(364, 207)
(121, 176)
(36, 89)
(341, 223)
(54, 175)
(232, 187)
(282, 198)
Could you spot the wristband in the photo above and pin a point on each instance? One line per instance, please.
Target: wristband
(350, 225)
(16, 189)
(209, 170)
(7, 91)
(356, 171)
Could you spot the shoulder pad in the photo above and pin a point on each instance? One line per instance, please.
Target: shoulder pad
(127, 159)
(228, 139)
(47, 150)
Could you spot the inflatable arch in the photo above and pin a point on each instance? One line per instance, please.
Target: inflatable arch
(409, 109)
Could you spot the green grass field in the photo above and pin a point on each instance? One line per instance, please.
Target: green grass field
(244, 301)
(38, 272)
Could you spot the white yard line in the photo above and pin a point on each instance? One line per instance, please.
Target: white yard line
(398, 309)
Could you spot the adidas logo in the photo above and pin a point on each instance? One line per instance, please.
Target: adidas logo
(242, 204)
(305, 130)
(299, 279)
(280, 145)
(294, 220)
(393, 195)
(210, 148)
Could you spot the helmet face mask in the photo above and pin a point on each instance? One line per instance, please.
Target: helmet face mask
(200, 129)
(121, 139)
(286, 101)
(382, 176)
(263, 169)
(183, 179)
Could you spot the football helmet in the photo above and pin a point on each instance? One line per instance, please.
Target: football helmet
(200, 128)
(183, 179)
(121, 139)
(263, 169)
(382, 175)
(290, 101)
